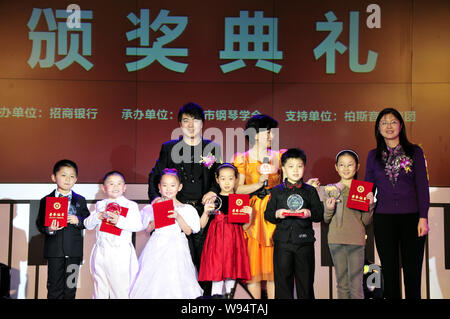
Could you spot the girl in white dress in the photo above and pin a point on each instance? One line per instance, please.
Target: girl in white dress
(166, 270)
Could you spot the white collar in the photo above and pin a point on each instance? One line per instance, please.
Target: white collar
(121, 198)
(66, 195)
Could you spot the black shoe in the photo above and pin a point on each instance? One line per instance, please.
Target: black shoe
(217, 296)
(231, 294)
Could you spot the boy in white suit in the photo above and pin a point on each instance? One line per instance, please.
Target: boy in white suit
(113, 259)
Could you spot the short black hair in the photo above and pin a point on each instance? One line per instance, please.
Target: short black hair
(259, 122)
(293, 153)
(64, 163)
(193, 110)
(113, 173)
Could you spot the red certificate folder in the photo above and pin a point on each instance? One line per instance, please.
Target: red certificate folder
(56, 208)
(357, 197)
(161, 211)
(108, 227)
(235, 203)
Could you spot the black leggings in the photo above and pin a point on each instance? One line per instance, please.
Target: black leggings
(397, 241)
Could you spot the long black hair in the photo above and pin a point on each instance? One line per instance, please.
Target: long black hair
(407, 146)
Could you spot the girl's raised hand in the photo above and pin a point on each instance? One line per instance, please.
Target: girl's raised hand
(314, 182)
(263, 178)
(330, 203)
(158, 199)
(208, 196)
(155, 200)
(208, 208)
(173, 214)
(248, 210)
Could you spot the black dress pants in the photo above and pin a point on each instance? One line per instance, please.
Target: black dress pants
(62, 277)
(293, 262)
(398, 243)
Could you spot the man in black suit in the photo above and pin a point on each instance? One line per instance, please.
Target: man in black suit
(196, 160)
(63, 247)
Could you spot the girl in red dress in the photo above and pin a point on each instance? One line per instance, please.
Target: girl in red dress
(224, 256)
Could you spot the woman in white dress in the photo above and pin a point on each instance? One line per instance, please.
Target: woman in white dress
(166, 270)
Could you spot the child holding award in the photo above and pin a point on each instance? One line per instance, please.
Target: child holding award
(166, 270)
(224, 257)
(293, 207)
(346, 234)
(63, 247)
(114, 262)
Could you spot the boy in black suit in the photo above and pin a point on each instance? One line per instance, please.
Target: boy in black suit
(63, 247)
(293, 238)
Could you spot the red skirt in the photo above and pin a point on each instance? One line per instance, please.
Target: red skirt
(224, 254)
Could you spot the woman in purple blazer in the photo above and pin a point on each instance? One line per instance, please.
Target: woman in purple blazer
(398, 170)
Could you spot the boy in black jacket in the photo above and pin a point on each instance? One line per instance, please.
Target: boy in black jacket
(63, 247)
(293, 207)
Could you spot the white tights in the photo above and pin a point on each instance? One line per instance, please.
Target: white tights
(218, 286)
